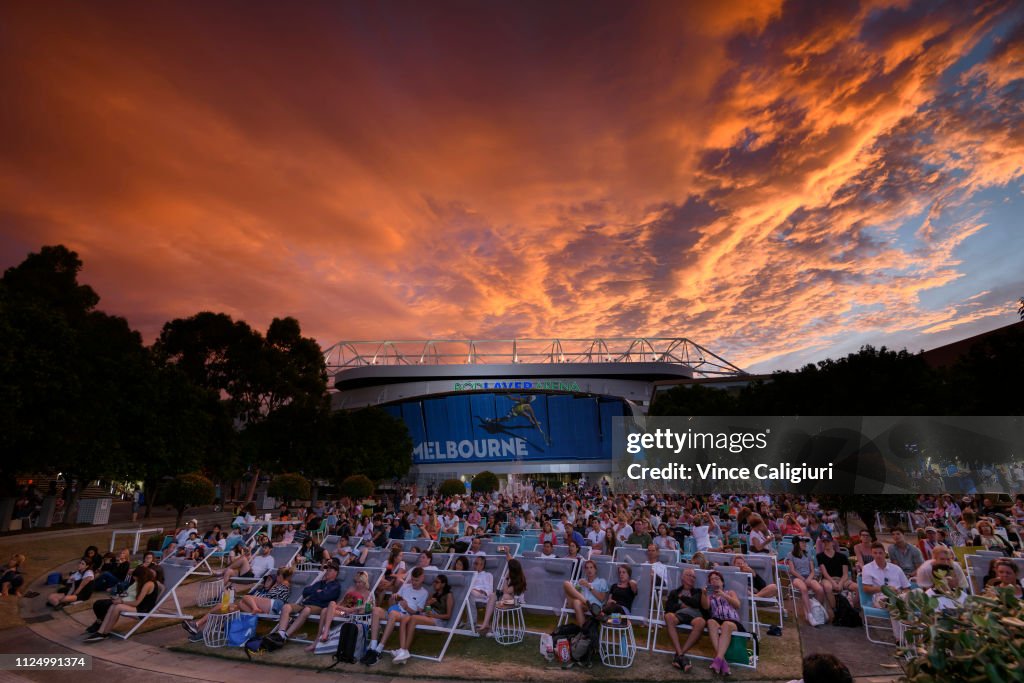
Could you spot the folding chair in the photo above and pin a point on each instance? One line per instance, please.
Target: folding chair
(875, 614)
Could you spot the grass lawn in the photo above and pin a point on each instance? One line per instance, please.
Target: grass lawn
(44, 554)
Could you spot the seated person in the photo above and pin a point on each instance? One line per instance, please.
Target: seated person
(548, 551)
(482, 591)
(621, 594)
(802, 574)
(394, 574)
(941, 555)
(879, 573)
(238, 564)
(78, 586)
(835, 571)
(436, 612)
(723, 619)
(349, 557)
(683, 608)
(12, 578)
(263, 563)
(114, 571)
(950, 593)
(587, 594)
(357, 600)
(1006, 576)
(315, 597)
(268, 596)
(109, 611)
(410, 600)
(762, 589)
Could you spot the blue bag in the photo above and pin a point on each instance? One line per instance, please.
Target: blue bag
(241, 629)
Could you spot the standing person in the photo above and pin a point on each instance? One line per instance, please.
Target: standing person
(683, 608)
(136, 503)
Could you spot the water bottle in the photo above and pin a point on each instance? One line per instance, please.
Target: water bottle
(622, 643)
(224, 601)
(231, 595)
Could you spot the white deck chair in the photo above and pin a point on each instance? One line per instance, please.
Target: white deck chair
(495, 547)
(740, 582)
(460, 583)
(624, 555)
(437, 560)
(497, 567)
(204, 568)
(409, 543)
(544, 581)
(176, 570)
(283, 556)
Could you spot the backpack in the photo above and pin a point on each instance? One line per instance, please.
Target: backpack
(846, 615)
(259, 646)
(351, 643)
(561, 639)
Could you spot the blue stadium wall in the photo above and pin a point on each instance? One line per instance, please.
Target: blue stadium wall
(466, 428)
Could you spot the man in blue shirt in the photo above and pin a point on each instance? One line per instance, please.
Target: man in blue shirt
(315, 597)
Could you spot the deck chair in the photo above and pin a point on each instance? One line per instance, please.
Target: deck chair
(159, 554)
(347, 578)
(640, 613)
(978, 566)
(563, 551)
(437, 561)
(740, 582)
(460, 583)
(409, 543)
(176, 570)
(204, 568)
(624, 555)
(497, 567)
(494, 547)
(283, 556)
(300, 579)
(544, 580)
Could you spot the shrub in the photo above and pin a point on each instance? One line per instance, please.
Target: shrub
(356, 487)
(981, 642)
(485, 482)
(451, 487)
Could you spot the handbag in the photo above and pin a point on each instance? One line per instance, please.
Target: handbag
(241, 629)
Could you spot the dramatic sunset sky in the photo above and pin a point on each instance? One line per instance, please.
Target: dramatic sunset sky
(779, 181)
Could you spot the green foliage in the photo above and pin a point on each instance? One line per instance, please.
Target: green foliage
(451, 487)
(289, 487)
(485, 482)
(187, 490)
(984, 641)
(356, 487)
(369, 442)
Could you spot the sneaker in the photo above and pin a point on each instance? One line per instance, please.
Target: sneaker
(96, 637)
(95, 626)
(401, 656)
(371, 658)
(190, 627)
(195, 638)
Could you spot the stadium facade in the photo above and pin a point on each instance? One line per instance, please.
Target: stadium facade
(541, 408)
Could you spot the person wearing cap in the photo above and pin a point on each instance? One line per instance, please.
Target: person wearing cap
(315, 597)
(263, 563)
(835, 571)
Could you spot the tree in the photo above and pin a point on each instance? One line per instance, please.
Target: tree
(368, 441)
(275, 387)
(289, 487)
(485, 482)
(188, 490)
(451, 487)
(356, 487)
(71, 376)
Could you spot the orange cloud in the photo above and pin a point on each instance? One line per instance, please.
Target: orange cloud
(752, 175)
